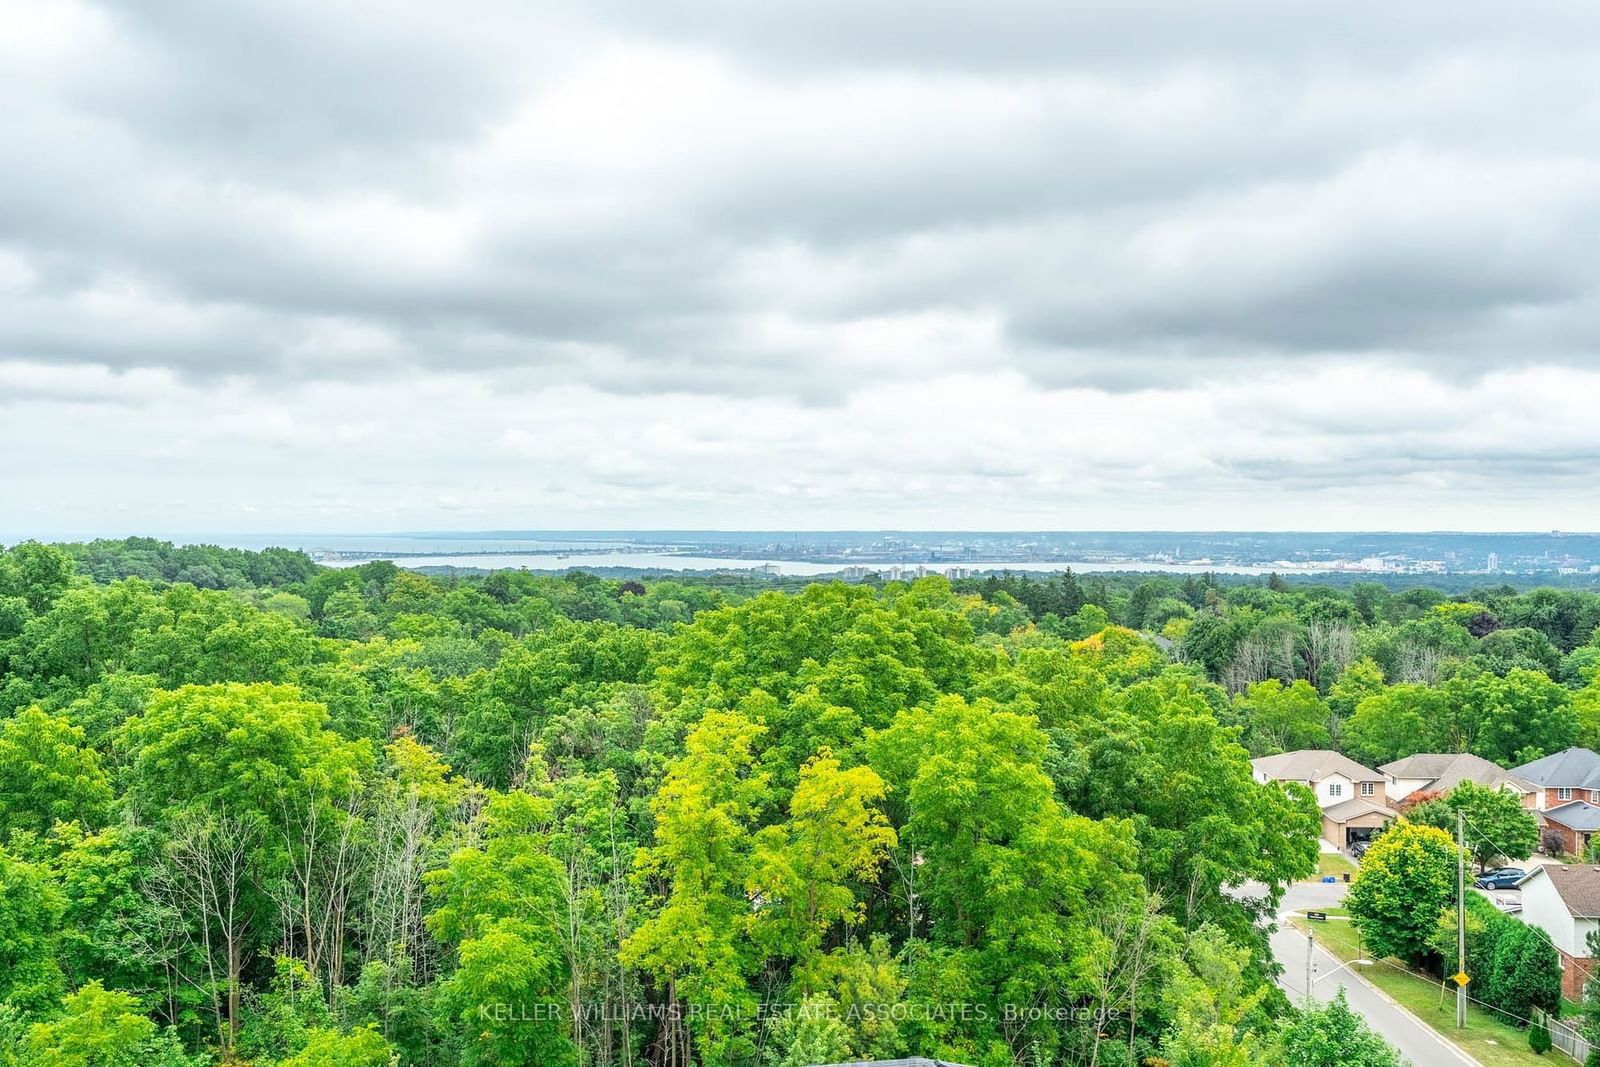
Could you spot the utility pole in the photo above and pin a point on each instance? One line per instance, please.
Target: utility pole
(1461, 919)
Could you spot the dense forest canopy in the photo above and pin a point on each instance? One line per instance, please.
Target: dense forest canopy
(256, 810)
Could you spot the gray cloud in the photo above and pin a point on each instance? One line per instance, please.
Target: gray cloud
(718, 207)
(1127, 191)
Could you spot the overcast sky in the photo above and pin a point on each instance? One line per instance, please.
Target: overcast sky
(356, 265)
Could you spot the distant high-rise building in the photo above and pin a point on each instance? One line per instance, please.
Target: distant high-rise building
(1494, 562)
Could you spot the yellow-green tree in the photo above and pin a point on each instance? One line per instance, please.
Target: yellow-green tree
(48, 774)
(696, 944)
(1407, 877)
(102, 1028)
(804, 870)
(330, 1048)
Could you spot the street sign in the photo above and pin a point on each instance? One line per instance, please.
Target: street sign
(1460, 978)
(1317, 916)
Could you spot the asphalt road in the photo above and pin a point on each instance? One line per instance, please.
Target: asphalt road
(1415, 1039)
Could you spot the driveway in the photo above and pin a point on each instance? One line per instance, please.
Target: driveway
(1508, 900)
(1414, 1038)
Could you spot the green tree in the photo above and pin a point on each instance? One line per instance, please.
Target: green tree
(1498, 827)
(1360, 680)
(1513, 719)
(808, 1033)
(37, 573)
(253, 750)
(860, 979)
(251, 791)
(48, 775)
(1524, 974)
(1154, 754)
(1519, 647)
(1008, 879)
(280, 1020)
(497, 903)
(105, 923)
(1485, 925)
(1279, 718)
(1218, 1017)
(1407, 877)
(73, 641)
(1586, 706)
(1335, 1036)
(30, 917)
(107, 704)
(1211, 641)
(1397, 722)
(1539, 1038)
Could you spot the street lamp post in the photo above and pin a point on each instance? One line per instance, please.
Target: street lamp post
(1342, 966)
(1311, 948)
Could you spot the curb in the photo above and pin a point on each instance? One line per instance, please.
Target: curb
(1403, 1010)
(1460, 1052)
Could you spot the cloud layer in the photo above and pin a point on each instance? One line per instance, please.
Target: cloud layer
(356, 265)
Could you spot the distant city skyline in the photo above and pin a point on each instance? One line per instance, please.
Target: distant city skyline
(897, 553)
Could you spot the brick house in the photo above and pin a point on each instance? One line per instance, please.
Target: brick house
(1353, 798)
(1562, 777)
(1564, 901)
(1575, 822)
(1566, 794)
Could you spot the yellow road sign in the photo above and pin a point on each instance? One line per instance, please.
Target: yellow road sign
(1460, 978)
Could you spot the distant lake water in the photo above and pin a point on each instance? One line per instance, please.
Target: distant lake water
(668, 561)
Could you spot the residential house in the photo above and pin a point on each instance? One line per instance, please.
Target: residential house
(1564, 901)
(1567, 792)
(1353, 798)
(1574, 822)
(1440, 772)
(1568, 775)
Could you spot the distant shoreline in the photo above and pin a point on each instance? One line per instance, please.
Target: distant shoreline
(1381, 555)
(686, 562)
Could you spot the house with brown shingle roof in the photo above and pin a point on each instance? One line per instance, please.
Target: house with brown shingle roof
(1563, 900)
(1353, 798)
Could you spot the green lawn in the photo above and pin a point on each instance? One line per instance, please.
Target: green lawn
(1486, 1038)
(1336, 864)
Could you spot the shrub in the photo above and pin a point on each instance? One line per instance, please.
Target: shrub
(1485, 926)
(1525, 973)
(1539, 1038)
